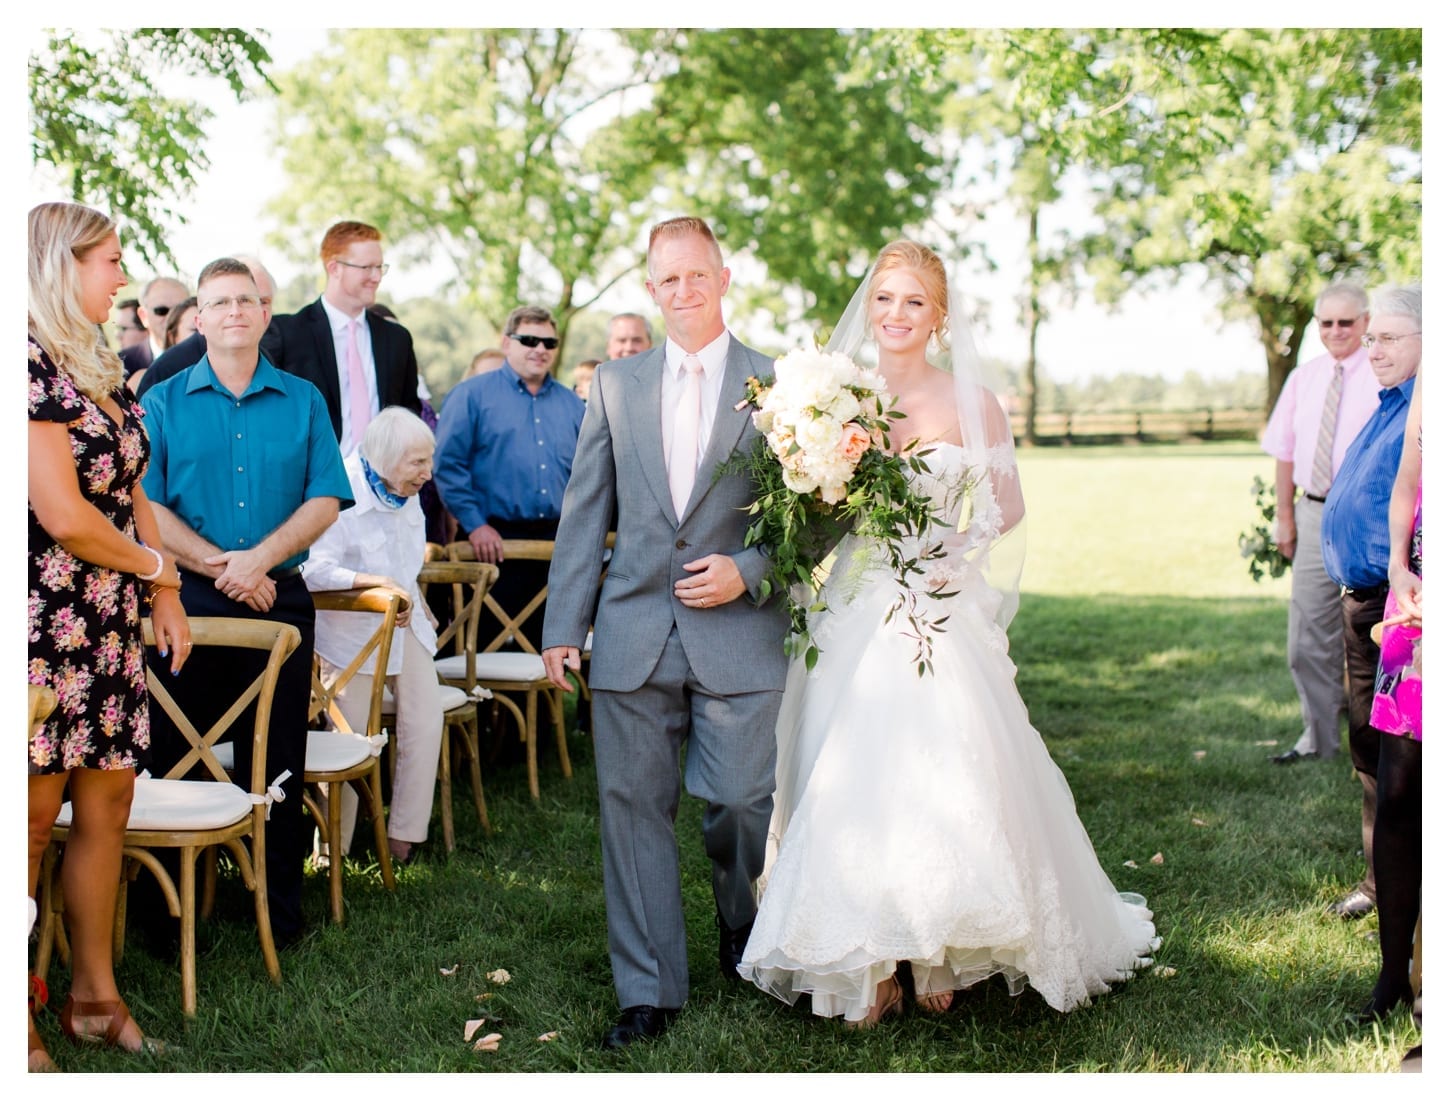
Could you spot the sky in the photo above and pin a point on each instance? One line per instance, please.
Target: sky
(1167, 332)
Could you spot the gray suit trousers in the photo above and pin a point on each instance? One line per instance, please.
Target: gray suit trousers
(729, 744)
(1316, 637)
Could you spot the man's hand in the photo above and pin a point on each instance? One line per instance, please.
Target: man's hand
(556, 660)
(487, 543)
(243, 578)
(1286, 536)
(715, 580)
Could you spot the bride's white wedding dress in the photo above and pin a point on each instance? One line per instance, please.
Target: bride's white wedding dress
(922, 819)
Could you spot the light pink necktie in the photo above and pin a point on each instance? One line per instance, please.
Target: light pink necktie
(359, 407)
(685, 442)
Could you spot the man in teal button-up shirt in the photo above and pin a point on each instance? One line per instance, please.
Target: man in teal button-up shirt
(247, 474)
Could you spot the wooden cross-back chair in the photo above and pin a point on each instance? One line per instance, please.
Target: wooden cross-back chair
(171, 812)
(344, 756)
(468, 584)
(522, 670)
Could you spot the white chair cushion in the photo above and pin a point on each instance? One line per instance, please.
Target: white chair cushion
(454, 667)
(181, 805)
(449, 697)
(329, 751)
(512, 666)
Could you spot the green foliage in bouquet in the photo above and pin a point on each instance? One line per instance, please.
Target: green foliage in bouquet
(1257, 544)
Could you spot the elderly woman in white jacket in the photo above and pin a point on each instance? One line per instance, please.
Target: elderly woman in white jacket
(381, 541)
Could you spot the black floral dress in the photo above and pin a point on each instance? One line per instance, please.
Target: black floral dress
(84, 620)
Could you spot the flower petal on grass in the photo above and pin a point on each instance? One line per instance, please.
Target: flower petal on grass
(489, 1042)
(473, 1026)
(1198, 821)
(1156, 858)
(1130, 863)
(448, 972)
(1164, 972)
(546, 1037)
(500, 976)
(1265, 744)
(1200, 754)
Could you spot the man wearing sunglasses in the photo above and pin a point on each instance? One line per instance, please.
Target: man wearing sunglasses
(506, 443)
(1324, 404)
(157, 298)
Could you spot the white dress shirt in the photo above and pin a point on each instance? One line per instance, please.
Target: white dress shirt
(339, 322)
(712, 358)
(368, 538)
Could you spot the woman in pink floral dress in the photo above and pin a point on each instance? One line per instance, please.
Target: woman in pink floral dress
(94, 556)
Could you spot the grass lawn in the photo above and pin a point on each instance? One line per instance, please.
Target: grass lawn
(1155, 670)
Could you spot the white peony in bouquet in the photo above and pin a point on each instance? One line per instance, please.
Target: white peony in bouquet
(821, 468)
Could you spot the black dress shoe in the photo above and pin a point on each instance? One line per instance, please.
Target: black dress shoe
(1352, 906)
(732, 946)
(1289, 756)
(1381, 1005)
(638, 1022)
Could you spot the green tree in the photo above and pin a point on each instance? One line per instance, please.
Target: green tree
(528, 162)
(1306, 169)
(810, 148)
(498, 154)
(97, 116)
(1274, 160)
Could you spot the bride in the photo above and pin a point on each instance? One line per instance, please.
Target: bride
(917, 819)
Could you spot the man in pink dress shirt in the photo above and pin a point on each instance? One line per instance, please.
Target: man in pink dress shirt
(1316, 631)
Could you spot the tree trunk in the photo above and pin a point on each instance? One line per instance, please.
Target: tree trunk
(1034, 319)
(1281, 332)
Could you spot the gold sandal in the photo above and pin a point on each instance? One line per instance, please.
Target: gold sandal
(939, 1002)
(887, 1003)
(118, 1016)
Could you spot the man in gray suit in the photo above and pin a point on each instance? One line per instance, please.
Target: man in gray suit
(682, 653)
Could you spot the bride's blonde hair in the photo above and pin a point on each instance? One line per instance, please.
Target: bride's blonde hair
(927, 266)
(61, 234)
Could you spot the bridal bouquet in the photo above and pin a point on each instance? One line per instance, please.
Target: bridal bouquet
(822, 468)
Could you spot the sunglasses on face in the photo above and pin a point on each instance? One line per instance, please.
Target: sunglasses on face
(1337, 322)
(549, 342)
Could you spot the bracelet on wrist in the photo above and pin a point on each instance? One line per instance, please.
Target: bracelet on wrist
(160, 565)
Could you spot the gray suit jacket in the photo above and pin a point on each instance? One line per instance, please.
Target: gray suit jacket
(620, 461)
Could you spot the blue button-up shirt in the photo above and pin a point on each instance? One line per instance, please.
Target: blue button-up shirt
(1355, 527)
(233, 469)
(505, 454)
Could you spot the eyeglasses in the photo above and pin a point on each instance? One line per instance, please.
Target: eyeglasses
(549, 342)
(241, 301)
(381, 269)
(1339, 322)
(1369, 340)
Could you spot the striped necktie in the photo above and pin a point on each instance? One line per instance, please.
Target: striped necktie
(1323, 471)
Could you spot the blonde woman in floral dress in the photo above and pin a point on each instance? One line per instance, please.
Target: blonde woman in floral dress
(95, 555)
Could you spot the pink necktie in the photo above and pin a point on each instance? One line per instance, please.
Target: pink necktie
(359, 407)
(685, 443)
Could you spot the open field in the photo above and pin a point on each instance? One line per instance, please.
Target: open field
(1155, 670)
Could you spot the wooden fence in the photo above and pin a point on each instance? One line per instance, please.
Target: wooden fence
(1143, 427)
